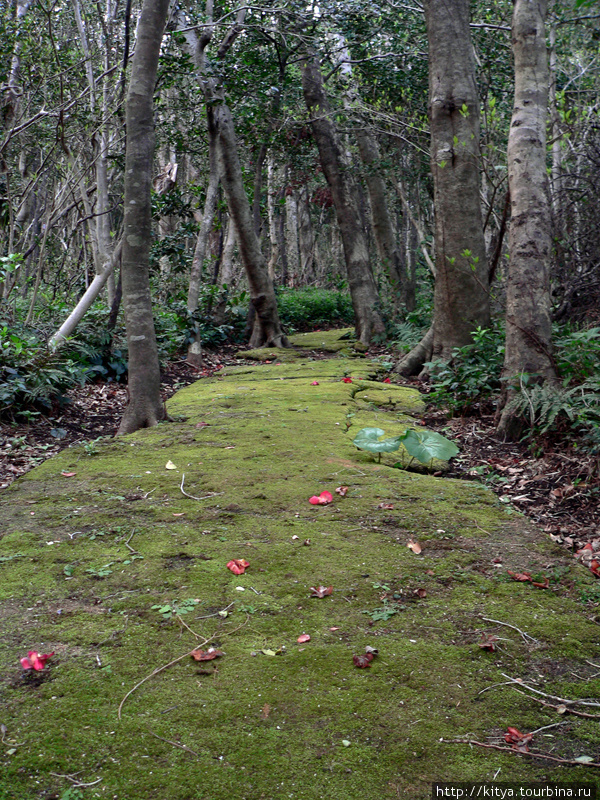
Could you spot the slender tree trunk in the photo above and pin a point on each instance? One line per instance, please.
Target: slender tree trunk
(273, 193)
(267, 331)
(208, 218)
(385, 238)
(145, 407)
(363, 289)
(528, 321)
(306, 240)
(461, 297)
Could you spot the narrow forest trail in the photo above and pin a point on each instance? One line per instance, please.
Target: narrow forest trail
(98, 550)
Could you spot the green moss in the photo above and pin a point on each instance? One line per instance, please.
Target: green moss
(261, 725)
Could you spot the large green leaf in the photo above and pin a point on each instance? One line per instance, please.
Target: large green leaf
(426, 445)
(368, 439)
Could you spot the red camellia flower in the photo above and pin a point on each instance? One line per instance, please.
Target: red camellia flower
(237, 566)
(346, 380)
(387, 380)
(35, 660)
(322, 500)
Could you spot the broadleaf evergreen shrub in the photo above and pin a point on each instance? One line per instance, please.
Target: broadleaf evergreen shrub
(309, 308)
(473, 375)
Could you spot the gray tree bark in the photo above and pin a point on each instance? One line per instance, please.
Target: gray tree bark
(528, 320)
(363, 289)
(461, 297)
(267, 330)
(145, 407)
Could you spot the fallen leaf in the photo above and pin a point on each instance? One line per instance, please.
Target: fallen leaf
(207, 655)
(342, 491)
(268, 652)
(170, 465)
(202, 425)
(303, 638)
(420, 592)
(238, 566)
(584, 759)
(561, 709)
(488, 642)
(346, 742)
(519, 741)
(306, 542)
(387, 507)
(35, 660)
(334, 629)
(362, 662)
(414, 546)
(321, 591)
(545, 584)
(266, 710)
(179, 514)
(520, 576)
(371, 650)
(322, 500)
(295, 538)
(68, 474)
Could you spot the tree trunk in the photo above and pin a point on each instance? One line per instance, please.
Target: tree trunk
(385, 239)
(363, 289)
(306, 240)
(528, 321)
(461, 297)
(194, 354)
(267, 331)
(145, 407)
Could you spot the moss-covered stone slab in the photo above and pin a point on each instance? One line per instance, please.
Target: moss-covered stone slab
(117, 563)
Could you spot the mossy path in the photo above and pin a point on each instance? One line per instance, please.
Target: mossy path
(92, 540)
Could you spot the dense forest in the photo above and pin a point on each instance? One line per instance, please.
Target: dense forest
(175, 176)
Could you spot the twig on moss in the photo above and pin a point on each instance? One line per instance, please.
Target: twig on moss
(561, 700)
(74, 781)
(170, 664)
(127, 545)
(175, 744)
(524, 635)
(531, 753)
(191, 496)
(560, 709)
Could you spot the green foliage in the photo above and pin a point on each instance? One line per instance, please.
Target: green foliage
(30, 376)
(473, 375)
(305, 309)
(578, 353)
(423, 445)
(175, 608)
(546, 408)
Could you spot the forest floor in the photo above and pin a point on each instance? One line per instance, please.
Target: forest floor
(558, 488)
(213, 634)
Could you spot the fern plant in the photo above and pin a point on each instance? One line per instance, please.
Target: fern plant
(544, 406)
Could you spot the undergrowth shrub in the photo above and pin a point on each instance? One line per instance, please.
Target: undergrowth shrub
(473, 376)
(33, 378)
(308, 308)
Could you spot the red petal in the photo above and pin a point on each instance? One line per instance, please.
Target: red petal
(387, 380)
(346, 380)
(321, 591)
(304, 638)
(237, 565)
(325, 498)
(314, 500)
(342, 491)
(26, 663)
(315, 383)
